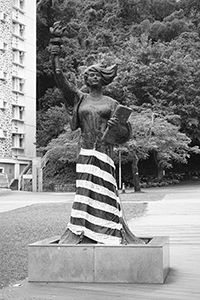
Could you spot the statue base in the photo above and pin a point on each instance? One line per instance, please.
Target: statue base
(49, 261)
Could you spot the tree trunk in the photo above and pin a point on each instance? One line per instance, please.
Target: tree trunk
(160, 170)
(136, 179)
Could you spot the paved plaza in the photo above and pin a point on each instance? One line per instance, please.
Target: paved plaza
(176, 214)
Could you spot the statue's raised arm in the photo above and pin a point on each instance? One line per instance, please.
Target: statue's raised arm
(69, 90)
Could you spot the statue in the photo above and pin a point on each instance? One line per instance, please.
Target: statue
(96, 215)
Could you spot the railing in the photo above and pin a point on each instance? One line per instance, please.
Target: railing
(28, 171)
(44, 160)
(25, 171)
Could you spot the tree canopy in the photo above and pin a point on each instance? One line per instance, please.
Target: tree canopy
(156, 44)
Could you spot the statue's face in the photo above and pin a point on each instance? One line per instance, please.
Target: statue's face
(94, 79)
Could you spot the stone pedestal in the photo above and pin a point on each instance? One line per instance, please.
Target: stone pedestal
(50, 262)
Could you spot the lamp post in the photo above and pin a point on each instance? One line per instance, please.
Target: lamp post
(120, 170)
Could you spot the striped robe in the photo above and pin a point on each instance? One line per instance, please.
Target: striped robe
(96, 210)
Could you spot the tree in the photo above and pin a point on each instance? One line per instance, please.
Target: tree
(50, 124)
(65, 147)
(51, 98)
(168, 144)
(154, 42)
(160, 9)
(163, 76)
(62, 153)
(152, 133)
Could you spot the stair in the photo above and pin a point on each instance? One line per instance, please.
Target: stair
(14, 185)
(4, 181)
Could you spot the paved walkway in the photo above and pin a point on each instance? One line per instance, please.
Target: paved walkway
(176, 215)
(10, 200)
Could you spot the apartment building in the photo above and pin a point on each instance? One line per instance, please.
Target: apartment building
(17, 85)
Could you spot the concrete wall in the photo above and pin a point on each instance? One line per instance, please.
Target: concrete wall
(30, 75)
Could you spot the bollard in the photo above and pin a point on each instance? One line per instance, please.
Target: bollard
(123, 188)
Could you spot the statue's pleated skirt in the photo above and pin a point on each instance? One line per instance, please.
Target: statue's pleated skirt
(96, 211)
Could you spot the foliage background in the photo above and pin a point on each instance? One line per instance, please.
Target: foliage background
(156, 44)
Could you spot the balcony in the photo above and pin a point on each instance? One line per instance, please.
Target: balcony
(19, 5)
(17, 43)
(18, 99)
(18, 71)
(18, 127)
(18, 16)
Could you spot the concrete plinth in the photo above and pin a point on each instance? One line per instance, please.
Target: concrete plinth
(50, 262)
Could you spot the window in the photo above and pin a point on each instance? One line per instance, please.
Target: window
(18, 141)
(13, 112)
(14, 53)
(18, 84)
(3, 104)
(18, 57)
(21, 113)
(21, 141)
(3, 46)
(21, 30)
(3, 134)
(18, 112)
(18, 29)
(3, 75)
(3, 16)
(15, 84)
(21, 57)
(21, 4)
(13, 140)
(21, 85)
(14, 26)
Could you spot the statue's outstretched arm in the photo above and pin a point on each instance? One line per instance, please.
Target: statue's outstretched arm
(68, 89)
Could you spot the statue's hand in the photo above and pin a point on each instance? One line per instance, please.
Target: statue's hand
(57, 29)
(112, 122)
(55, 50)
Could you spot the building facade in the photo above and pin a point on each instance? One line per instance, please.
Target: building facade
(17, 85)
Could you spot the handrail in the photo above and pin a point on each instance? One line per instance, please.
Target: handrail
(25, 170)
(44, 159)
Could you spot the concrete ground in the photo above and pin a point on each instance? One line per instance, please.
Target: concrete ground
(176, 214)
